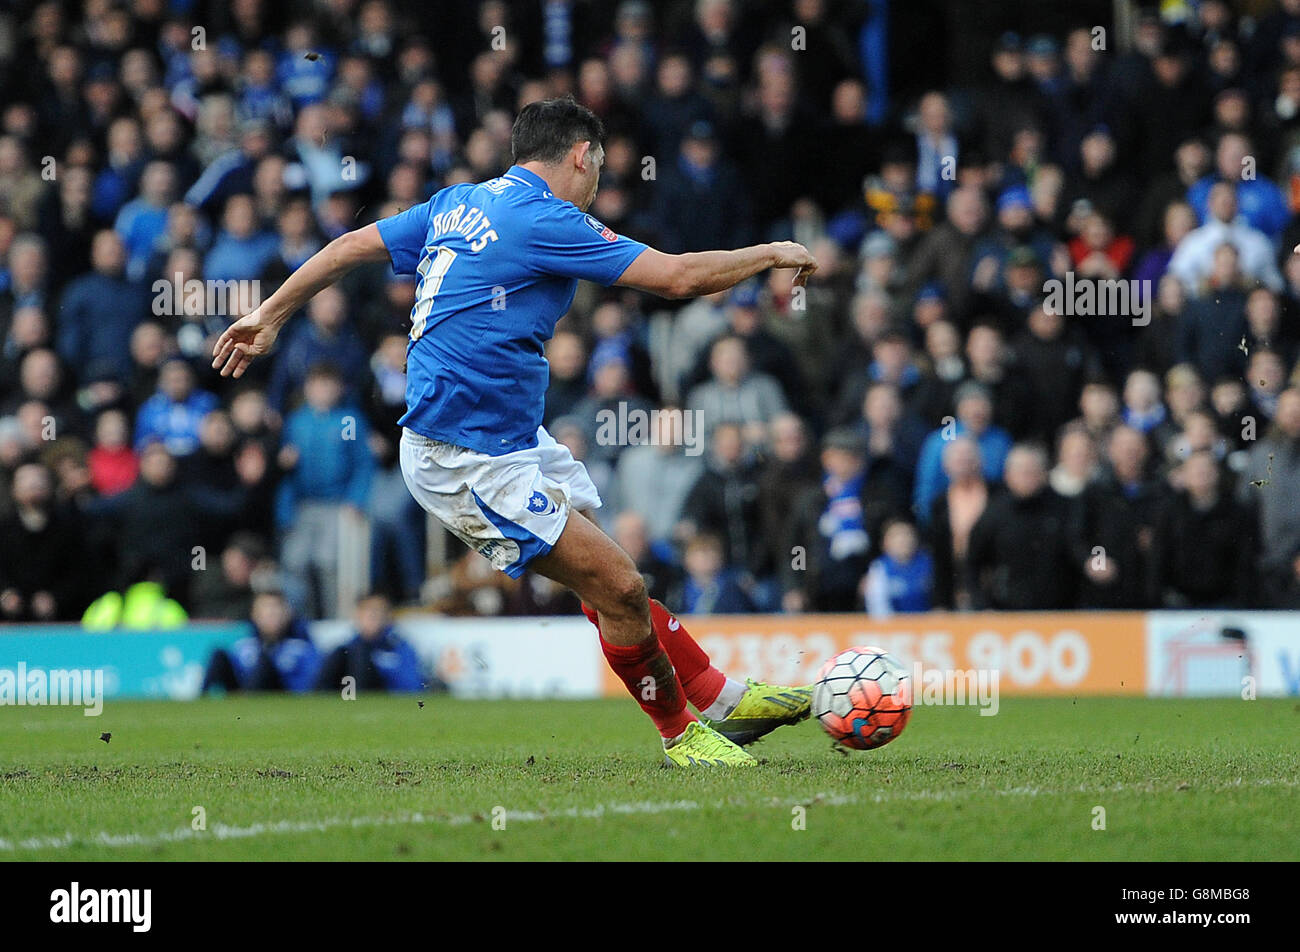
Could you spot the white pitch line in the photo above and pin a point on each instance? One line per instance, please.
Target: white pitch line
(222, 831)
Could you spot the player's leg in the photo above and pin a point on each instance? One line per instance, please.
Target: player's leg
(514, 514)
(710, 691)
(590, 563)
(740, 712)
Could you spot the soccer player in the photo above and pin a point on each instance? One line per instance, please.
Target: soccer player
(498, 266)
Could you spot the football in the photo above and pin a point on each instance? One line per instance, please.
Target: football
(863, 698)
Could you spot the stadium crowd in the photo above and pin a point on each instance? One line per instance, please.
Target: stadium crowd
(922, 428)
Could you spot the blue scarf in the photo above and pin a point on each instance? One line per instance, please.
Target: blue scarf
(842, 523)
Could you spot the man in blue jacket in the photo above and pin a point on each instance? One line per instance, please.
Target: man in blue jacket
(328, 464)
(98, 312)
(277, 656)
(377, 658)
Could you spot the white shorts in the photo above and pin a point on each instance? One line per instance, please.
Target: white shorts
(510, 508)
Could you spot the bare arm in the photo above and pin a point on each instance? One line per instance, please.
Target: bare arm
(703, 272)
(254, 334)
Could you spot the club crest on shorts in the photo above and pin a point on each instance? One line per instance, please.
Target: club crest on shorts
(605, 232)
(541, 504)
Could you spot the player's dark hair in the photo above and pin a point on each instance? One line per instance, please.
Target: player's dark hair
(547, 129)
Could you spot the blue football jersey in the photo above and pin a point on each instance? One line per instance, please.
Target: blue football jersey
(498, 266)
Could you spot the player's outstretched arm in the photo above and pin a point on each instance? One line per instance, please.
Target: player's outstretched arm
(254, 333)
(704, 272)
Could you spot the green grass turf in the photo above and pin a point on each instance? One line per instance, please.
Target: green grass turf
(382, 778)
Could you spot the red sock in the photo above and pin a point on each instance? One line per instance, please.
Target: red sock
(700, 680)
(648, 674)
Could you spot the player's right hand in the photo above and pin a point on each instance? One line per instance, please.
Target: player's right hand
(791, 254)
(250, 336)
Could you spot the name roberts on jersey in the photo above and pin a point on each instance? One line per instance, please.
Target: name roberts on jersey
(475, 227)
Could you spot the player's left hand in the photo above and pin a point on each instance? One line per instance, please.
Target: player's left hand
(250, 336)
(791, 254)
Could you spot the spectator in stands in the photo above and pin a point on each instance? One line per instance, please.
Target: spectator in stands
(1211, 329)
(68, 225)
(1143, 409)
(28, 329)
(1115, 514)
(612, 399)
(151, 525)
(174, 414)
(735, 393)
(724, 500)
(1076, 462)
(142, 221)
(328, 467)
(1156, 343)
(654, 479)
(768, 353)
(951, 518)
(901, 579)
(827, 534)
(325, 337)
(99, 311)
(1261, 203)
(1203, 544)
(20, 183)
(891, 362)
(1195, 259)
(377, 658)
(710, 587)
(26, 279)
(1265, 379)
(702, 203)
(789, 469)
(893, 435)
(676, 106)
(990, 362)
(41, 379)
(1057, 360)
(277, 656)
(943, 369)
(1265, 329)
(1019, 555)
(113, 463)
(936, 145)
(40, 562)
(1179, 222)
(150, 348)
(946, 253)
(242, 248)
(974, 419)
(1098, 410)
(226, 590)
(1272, 467)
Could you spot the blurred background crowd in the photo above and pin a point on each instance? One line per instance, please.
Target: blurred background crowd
(918, 430)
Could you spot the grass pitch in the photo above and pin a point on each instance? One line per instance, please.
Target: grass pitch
(383, 778)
